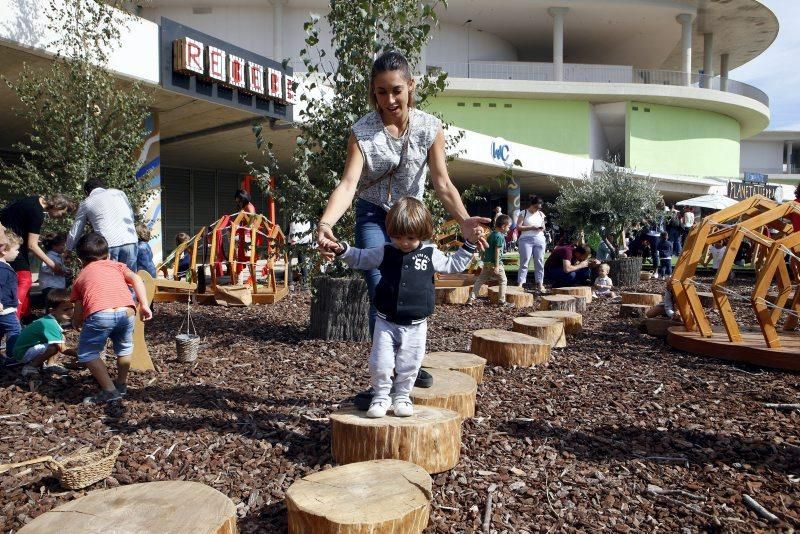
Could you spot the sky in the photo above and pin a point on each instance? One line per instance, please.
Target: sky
(776, 70)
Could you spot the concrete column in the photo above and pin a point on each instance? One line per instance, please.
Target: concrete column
(558, 41)
(789, 148)
(724, 59)
(512, 197)
(277, 30)
(708, 59)
(685, 20)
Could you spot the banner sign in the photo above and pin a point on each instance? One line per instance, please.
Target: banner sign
(754, 178)
(202, 66)
(741, 191)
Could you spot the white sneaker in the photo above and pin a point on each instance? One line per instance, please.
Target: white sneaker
(378, 408)
(403, 408)
(471, 300)
(655, 276)
(30, 370)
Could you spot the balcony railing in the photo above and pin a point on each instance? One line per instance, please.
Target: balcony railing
(517, 70)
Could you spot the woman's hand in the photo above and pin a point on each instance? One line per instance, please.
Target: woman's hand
(469, 229)
(327, 242)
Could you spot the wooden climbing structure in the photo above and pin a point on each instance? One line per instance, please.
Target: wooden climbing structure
(231, 249)
(764, 223)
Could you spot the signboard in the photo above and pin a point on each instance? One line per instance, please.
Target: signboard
(741, 191)
(501, 152)
(754, 178)
(202, 66)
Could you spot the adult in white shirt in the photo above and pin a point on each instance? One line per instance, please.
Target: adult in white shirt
(110, 213)
(300, 239)
(532, 242)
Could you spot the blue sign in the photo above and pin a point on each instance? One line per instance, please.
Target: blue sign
(754, 178)
(500, 151)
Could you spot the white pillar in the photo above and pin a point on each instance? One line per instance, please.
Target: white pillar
(277, 30)
(789, 147)
(558, 41)
(708, 59)
(724, 60)
(685, 20)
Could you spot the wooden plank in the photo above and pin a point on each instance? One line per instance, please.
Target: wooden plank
(140, 359)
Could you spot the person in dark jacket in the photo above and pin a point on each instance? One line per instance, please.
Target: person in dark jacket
(404, 298)
(664, 248)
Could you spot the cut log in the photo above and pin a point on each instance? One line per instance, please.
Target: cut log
(166, 506)
(645, 299)
(551, 331)
(451, 390)
(573, 321)
(501, 347)
(484, 290)
(455, 280)
(625, 271)
(463, 362)
(707, 299)
(514, 295)
(580, 303)
(577, 291)
(453, 295)
(339, 309)
(658, 326)
(558, 302)
(431, 438)
(633, 310)
(375, 496)
(645, 276)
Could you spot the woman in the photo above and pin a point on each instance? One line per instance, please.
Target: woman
(532, 242)
(25, 218)
(388, 155)
(243, 201)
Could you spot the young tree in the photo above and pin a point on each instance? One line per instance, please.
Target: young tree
(336, 96)
(614, 199)
(83, 121)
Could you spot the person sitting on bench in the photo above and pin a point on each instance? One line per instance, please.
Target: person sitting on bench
(569, 265)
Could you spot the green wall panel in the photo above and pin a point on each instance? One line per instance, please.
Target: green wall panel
(674, 140)
(562, 126)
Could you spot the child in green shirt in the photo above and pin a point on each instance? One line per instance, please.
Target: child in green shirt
(41, 341)
(492, 262)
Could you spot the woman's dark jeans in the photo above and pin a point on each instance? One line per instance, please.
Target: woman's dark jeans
(371, 232)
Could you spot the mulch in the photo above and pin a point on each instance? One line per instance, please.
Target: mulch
(618, 432)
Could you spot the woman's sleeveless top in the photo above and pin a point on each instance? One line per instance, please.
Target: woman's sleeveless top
(382, 153)
(533, 219)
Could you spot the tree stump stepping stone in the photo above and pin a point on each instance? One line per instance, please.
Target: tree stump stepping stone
(707, 299)
(374, 496)
(577, 291)
(633, 310)
(573, 321)
(558, 302)
(645, 299)
(514, 295)
(453, 295)
(501, 347)
(431, 438)
(645, 276)
(165, 506)
(484, 290)
(463, 362)
(659, 326)
(451, 390)
(549, 330)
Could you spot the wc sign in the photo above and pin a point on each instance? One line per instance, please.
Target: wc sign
(501, 152)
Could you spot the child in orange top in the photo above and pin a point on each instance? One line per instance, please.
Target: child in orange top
(105, 310)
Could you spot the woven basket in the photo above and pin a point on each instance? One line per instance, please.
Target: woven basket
(81, 468)
(186, 346)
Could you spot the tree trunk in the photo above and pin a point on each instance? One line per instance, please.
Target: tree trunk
(463, 362)
(431, 438)
(376, 496)
(558, 302)
(625, 271)
(451, 390)
(573, 321)
(551, 331)
(339, 309)
(501, 347)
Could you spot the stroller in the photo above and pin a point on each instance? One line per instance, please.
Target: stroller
(511, 239)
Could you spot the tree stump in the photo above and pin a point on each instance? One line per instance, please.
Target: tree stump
(558, 302)
(455, 280)
(658, 326)
(577, 291)
(451, 390)
(644, 276)
(580, 303)
(625, 271)
(452, 295)
(707, 299)
(501, 347)
(339, 309)
(166, 506)
(551, 331)
(484, 290)
(514, 295)
(633, 310)
(463, 362)
(645, 299)
(573, 321)
(431, 438)
(374, 496)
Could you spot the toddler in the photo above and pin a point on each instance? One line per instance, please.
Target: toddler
(54, 245)
(404, 298)
(603, 284)
(9, 323)
(144, 254)
(185, 260)
(492, 260)
(105, 310)
(40, 342)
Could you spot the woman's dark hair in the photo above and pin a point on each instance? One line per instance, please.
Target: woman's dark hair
(59, 202)
(388, 61)
(534, 199)
(92, 247)
(242, 196)
(92, 184)
(53, 240)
